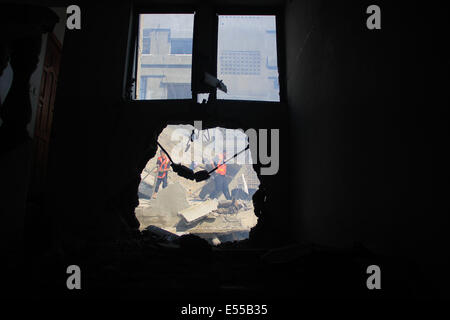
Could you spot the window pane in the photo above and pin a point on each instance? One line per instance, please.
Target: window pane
(181, 46)
(146, 45)
(247, 58)
(165, 56)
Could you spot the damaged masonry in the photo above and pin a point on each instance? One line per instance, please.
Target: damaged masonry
(183, 206)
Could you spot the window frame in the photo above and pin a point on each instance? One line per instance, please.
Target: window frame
(130, 93)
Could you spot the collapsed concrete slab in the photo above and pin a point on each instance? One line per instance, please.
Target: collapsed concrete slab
(163, 211)
(145, 190)
(198, 211)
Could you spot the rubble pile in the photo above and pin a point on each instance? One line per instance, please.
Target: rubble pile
(163, 211)
(231, 206)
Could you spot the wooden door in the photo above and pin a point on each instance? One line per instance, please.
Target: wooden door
(44, 113)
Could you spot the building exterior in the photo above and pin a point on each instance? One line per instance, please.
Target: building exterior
(165, 56)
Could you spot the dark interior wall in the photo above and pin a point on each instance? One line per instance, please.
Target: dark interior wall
(87, 104)
(364, 127)
(101, 142)
(367, 117)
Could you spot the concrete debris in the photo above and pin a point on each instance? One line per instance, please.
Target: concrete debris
(225, 210)
(163, 210)
(145, 190)
(244, 182)
(148, 178)
(215, 241)
(226, 203)
(230, 206)
(233, 236)
(199, 211)
(171, 199)
(222, 223)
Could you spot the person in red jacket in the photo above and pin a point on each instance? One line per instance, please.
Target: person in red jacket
(163, 165)
(220, 177)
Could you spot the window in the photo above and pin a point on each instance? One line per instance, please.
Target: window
(247, 63)
(242, 54)
(240, 62)
(164, 61)
(181, 46)
(146, 41)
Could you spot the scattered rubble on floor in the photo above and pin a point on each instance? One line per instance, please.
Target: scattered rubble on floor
(198, 211)
(180, 209)
(231, 206)
(163, 211)
(213, 220)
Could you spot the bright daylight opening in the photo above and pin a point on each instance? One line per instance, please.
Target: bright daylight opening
(219, 209)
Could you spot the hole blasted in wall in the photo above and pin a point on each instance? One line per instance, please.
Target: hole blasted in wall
(181, 206)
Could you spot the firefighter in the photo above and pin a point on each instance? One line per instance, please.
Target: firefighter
(220, 177)
(163, 164)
